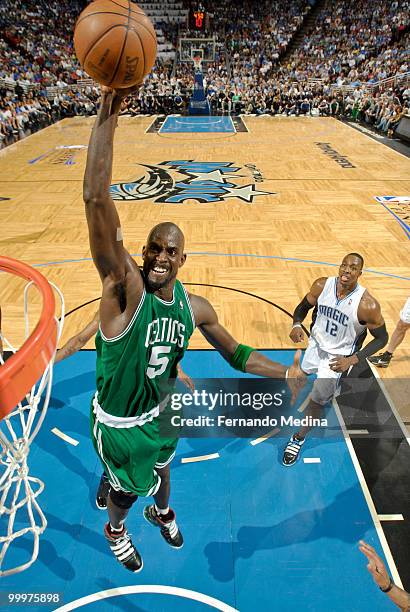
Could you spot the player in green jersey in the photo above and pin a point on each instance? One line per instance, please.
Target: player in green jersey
(72, 346)
(146, 320)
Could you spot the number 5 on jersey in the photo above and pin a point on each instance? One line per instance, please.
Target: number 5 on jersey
(158, 361)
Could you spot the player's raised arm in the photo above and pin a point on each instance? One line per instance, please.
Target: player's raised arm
(102, 217)
(301, 310)
(240, 356)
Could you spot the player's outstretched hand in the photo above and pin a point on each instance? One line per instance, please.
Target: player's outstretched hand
(297, 334)
(375, 566)
(296, 377)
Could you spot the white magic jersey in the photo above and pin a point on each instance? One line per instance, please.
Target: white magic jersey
(337, 328)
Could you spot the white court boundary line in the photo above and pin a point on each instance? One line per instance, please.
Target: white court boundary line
(358, 432)
(266, 436)
(200, 458)
(304, 404)
(60, 434)
(391, 517)
(368, 498)
(389, 400)
(152, 122)
(147, 588)
(244, 122)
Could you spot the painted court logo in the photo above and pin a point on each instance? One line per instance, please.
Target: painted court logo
(399, 207)
(335, 155)
(60, 155)
(174, 182)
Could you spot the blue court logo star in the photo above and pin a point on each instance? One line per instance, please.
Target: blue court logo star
(176, 181)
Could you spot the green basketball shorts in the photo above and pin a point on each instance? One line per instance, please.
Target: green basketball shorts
(131, 455)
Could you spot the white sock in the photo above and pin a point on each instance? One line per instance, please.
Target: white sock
(116, 530)
(161, 510)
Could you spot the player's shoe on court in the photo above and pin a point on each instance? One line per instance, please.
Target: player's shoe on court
(292, 450)
(382, 360)
(169, 529)
(102, 492)
(123, 549)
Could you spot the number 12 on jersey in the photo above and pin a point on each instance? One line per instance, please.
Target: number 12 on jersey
(331, 328)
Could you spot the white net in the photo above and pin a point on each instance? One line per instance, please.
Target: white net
(191, 47)
(197, 63)
(22, 520)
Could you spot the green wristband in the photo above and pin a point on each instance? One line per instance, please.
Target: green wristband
(241, 356)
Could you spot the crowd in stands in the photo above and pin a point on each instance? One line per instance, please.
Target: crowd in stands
(256, 34)
(346, 37)
(35, 53)
(350, 46)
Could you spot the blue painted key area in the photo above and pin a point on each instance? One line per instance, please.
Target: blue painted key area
(258, 536)
(175, 125)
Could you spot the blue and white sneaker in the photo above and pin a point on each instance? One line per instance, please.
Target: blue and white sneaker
(292, 450)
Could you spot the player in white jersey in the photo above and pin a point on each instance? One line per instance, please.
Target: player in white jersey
(344, 310)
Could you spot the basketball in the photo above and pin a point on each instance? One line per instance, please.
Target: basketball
(115, 42)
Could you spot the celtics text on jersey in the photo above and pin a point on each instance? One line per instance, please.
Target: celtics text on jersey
(133, 369)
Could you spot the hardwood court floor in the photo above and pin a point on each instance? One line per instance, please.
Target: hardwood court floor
(321, 177)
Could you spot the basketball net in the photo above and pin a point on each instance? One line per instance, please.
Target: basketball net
(18, 490)
(197, 63)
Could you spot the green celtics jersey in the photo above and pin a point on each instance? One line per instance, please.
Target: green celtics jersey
(133, 368)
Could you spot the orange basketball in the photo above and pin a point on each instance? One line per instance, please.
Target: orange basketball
(115, 42)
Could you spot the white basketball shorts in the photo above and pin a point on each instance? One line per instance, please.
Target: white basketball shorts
(316, 361)
(405, 312)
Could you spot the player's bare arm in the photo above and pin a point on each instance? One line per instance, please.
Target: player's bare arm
(74, 344)
(381, 577)
(122, 282)
(368, 313)
(309, 301)
(242, 357)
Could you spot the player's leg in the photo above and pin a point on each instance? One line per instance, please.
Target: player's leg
(314, 410)
(383, 359)
(102, 492)
(117, 536)
(159, 513)
(309, 365)
(162, 496)
(397, 336)
(128, 456)
(118, 507)
(323, 390)
(315, 360)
